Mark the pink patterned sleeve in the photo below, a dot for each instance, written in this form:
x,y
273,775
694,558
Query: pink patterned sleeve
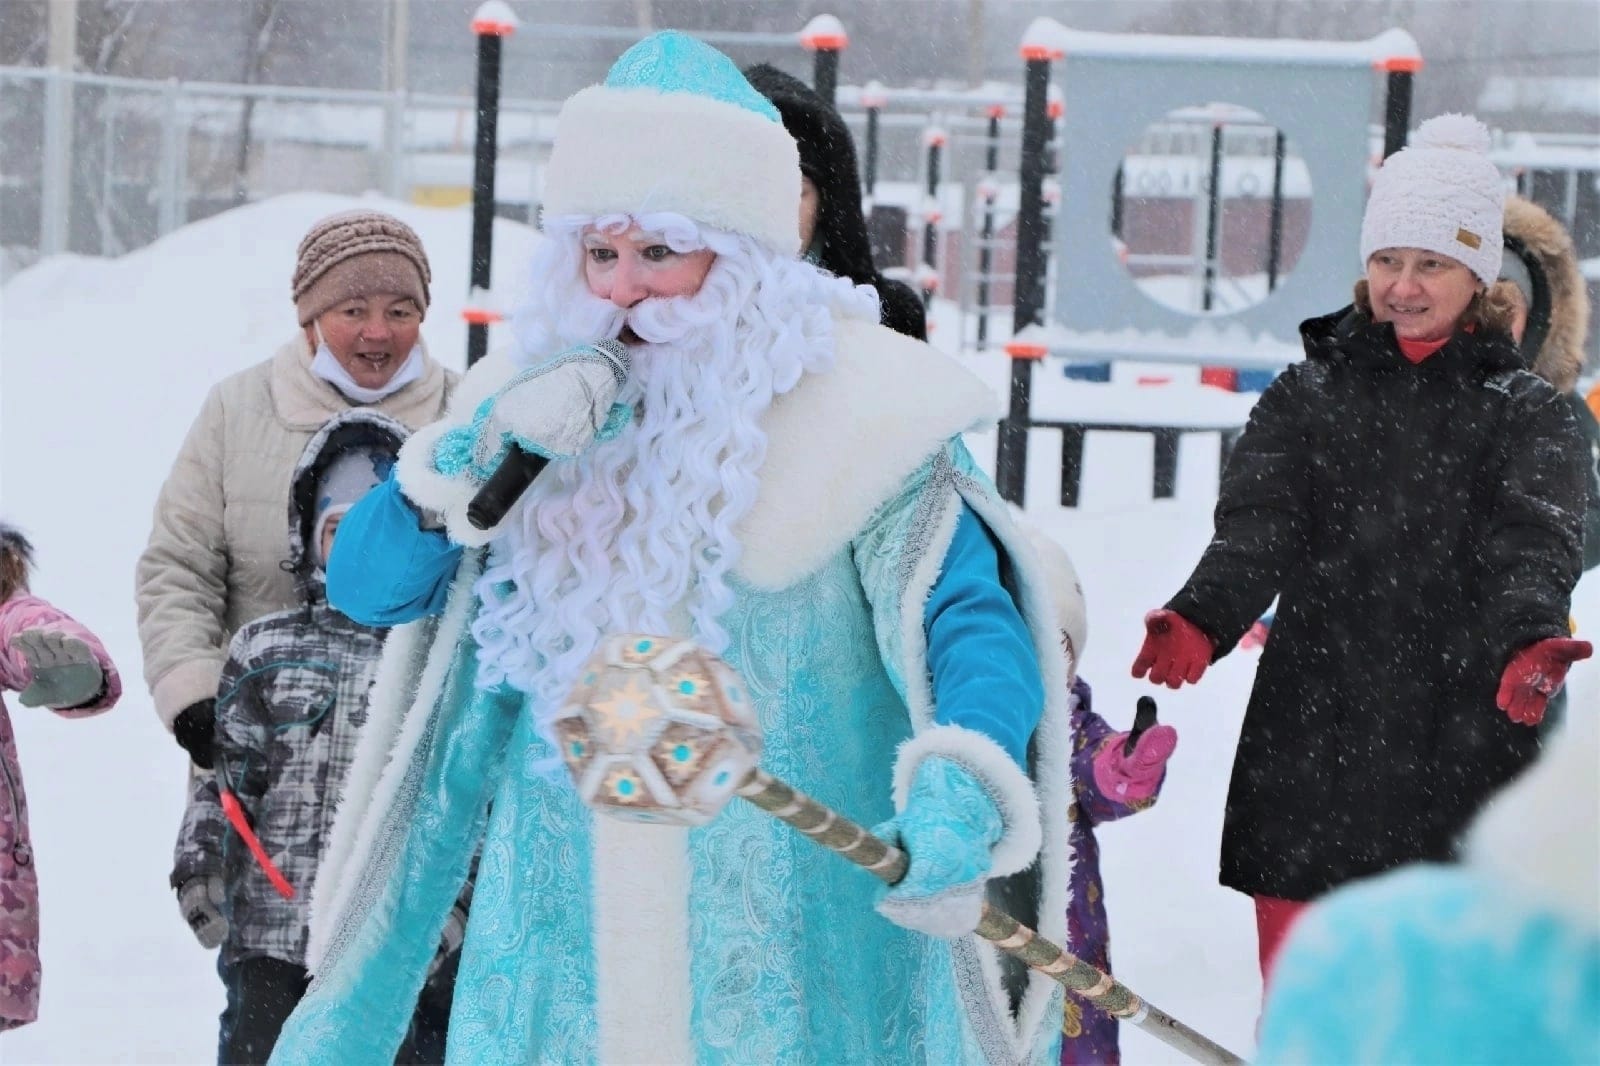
x,y
22,613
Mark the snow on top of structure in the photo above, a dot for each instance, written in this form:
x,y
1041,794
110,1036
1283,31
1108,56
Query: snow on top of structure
x,y
1548,93
824,31
496,17
1048,35
1207,343
1174,403
1526,153
876,94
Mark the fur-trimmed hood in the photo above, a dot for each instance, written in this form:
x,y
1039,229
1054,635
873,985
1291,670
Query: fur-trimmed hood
x,y
1560,315
840,244
359,427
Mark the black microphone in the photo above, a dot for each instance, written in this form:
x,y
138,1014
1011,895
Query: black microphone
x,y
519,468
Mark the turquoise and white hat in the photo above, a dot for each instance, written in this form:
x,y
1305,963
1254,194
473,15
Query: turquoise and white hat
x,y
676,127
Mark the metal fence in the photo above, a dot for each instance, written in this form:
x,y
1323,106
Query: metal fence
x,y
100,166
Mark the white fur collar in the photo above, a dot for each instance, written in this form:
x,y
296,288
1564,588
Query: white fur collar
x,y
841,443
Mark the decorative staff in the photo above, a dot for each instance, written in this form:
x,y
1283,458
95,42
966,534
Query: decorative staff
x,y
661,730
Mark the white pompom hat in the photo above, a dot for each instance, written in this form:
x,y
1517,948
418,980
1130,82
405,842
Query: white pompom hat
x,y
1441,193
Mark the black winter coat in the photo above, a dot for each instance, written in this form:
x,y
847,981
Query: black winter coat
x,y
1419,524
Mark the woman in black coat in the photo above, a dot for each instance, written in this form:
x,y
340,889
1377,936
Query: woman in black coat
x,y
837,238
1415,499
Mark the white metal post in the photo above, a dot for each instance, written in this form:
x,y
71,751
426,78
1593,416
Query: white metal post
x,y
169,181
55,193
394,108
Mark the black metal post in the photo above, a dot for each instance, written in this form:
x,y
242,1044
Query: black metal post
x,y
1275,224
825,73
1213,213
988,190
1050,192
930,221
1116,204
1011,457
1397,110
483,179
869,162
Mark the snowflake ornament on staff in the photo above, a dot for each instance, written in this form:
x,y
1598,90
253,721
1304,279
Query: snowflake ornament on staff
x,y
658,730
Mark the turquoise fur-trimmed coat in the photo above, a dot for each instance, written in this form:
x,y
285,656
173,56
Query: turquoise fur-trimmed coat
x,y
579,922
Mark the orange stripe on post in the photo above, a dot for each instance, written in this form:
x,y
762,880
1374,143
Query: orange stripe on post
x,y
1041,51
480,316
1026,350
1409,64
493,28
825,42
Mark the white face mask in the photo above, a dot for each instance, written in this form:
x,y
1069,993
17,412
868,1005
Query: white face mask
x,y
326,367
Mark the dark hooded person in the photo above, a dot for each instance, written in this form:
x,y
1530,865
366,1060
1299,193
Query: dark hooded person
x,y
833,231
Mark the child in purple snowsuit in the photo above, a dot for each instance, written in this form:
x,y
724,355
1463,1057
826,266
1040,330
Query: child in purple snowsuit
x,y
1107,783
53,662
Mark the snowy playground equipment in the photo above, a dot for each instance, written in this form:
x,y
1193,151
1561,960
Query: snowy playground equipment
x,y
1117,83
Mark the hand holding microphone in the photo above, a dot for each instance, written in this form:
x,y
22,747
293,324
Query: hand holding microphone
x,y
466,471
556,410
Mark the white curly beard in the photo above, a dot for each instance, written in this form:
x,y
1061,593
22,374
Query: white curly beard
x,y
642,527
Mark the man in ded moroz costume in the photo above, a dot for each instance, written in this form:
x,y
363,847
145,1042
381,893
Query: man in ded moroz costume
x,y
766,471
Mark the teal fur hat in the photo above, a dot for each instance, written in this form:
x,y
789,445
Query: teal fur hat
x,y
676,127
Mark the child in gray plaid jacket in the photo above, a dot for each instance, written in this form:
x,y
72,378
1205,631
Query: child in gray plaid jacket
x,y
289,708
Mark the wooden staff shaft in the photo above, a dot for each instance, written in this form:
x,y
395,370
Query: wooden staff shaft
x,y
839,834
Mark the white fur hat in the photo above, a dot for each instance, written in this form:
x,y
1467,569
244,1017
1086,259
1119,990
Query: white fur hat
x,y
675,127
1442,194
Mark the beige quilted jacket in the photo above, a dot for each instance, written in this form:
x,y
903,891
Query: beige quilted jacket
x,y
216,543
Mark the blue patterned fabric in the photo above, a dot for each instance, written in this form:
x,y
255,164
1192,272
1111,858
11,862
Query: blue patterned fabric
x,y
673,62
789,962
947,829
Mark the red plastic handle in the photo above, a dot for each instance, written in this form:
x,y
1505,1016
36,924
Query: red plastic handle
x,y
236,818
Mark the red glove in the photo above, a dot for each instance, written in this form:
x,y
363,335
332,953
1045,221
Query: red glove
x,y
1174,650
1133,778
1535,673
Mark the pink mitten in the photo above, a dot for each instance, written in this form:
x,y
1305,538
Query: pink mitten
x,y
1133,778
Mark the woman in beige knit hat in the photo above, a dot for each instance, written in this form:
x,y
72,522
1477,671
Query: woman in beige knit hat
x,y
360,291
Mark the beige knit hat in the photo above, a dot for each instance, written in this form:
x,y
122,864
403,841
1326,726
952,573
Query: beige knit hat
x,y
358,253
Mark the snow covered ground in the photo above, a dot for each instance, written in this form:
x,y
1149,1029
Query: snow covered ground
x,y
103,365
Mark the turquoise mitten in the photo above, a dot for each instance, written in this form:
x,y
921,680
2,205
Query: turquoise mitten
x,y
948,829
